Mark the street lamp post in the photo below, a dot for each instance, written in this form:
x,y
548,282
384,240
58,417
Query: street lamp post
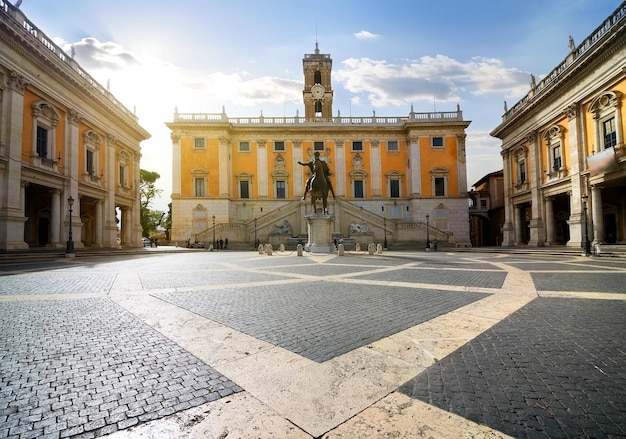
x,y
69,251
385,227
255,245
586,244
427,233
214,247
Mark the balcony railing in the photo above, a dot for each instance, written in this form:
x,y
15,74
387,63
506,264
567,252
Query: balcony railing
x,y
442,116
8,11
597,35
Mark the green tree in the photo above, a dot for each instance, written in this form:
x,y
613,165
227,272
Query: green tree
x,y
150,218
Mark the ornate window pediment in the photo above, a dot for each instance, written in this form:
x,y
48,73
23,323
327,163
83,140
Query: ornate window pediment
x,y
607,115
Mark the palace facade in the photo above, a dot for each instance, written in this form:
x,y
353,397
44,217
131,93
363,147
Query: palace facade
x,y
65,143
395,178
563,148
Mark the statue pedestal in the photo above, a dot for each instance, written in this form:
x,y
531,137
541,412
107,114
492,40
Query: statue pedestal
x,y
320,229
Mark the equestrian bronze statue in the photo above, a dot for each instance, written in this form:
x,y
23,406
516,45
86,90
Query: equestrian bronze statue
x,y
318,184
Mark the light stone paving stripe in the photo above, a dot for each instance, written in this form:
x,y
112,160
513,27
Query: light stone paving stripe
x,y
583,295
349,389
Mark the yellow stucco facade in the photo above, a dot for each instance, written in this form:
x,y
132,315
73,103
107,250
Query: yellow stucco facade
x,y
563,148
64,137
388,173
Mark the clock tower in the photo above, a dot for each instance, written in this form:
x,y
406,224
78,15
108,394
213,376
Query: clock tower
x,y
318,92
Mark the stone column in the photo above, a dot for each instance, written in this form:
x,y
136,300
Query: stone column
x,y
537,232
55,219
519,221
508,228
550,223
71,171
136,233
597,218
99,223
111,162
12,201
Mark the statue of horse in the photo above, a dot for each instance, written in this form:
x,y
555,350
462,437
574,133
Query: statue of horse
x,y
319,186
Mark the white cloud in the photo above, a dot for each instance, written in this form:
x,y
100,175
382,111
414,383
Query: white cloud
x,y
366,35
157,87
440,77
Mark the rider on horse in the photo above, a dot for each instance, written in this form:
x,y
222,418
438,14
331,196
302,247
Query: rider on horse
x,y
311,165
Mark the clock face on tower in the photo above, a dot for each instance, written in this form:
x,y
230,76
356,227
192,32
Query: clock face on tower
x,y
317,91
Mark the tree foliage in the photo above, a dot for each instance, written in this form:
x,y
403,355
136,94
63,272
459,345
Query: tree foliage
x,y
150,219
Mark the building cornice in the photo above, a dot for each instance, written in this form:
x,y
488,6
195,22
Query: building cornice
x,y
595,50
21,35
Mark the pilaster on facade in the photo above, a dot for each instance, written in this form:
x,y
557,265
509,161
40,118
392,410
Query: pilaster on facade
x,y
262,154
176,164
225,171
376,169
415,188
461,163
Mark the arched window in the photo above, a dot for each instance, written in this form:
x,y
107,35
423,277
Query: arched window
x,y
317,77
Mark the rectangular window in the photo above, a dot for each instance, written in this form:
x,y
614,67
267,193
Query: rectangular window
x,y
281,189
279,145
122,172
244,146
318,146
556,158
392,145
90,163
198,142
609,133
42,142
521,172
394,188
440,187
199,187
437,142
358,189
357,145
244,189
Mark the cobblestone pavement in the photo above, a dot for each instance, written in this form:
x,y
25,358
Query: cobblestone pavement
x,y
555,368
237,344
313,320
86,367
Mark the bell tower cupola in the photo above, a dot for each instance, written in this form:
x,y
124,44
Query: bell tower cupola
x,y
318,91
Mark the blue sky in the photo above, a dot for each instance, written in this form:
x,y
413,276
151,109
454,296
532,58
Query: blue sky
x,y
247,56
